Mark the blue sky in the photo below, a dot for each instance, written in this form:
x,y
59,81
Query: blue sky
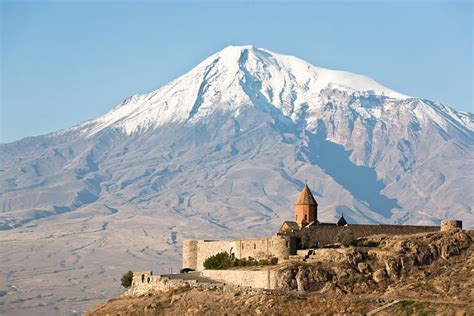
x,y
66,62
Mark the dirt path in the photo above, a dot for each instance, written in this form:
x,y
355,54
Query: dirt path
x,y
411,301
381,308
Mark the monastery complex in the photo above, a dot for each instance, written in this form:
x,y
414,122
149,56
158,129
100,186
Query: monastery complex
x,y
304,232
303,239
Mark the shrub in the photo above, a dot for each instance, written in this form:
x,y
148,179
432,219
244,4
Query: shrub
x,y
252,262
223,260
353,280
345,237
220,261
358,243
411,308
363,242
305,240
127,279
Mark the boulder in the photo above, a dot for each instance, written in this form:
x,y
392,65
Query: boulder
x,y
379,276
363,267
301,279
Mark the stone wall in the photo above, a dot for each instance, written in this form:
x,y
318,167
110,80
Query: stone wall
x,y
207,248
195,252
326,234
450,225
146,282
190,248
263,279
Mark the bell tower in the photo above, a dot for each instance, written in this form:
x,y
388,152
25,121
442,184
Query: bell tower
x,y
306,208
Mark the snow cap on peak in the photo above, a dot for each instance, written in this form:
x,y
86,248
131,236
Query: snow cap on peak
x,y
234,78
231,54
266,63
237,48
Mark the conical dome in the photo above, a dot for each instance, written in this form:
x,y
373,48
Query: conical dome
x,y
342,221
306,197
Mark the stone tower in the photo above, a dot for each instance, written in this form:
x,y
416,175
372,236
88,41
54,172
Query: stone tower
x,y
306,208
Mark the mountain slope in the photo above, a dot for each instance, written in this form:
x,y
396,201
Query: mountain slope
x,y
391,144
222,151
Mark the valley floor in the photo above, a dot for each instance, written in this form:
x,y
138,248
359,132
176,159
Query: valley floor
x,y
64,269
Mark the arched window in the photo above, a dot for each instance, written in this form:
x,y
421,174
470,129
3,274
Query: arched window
x,y
305,217
143,278
254,246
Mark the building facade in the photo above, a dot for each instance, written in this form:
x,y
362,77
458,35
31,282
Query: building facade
x,y
195,252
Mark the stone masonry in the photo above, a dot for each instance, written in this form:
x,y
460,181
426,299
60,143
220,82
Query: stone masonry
x,y
195,252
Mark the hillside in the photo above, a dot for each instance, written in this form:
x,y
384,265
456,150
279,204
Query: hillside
x,y
439,280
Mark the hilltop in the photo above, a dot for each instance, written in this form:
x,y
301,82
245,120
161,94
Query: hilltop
x,y
436,277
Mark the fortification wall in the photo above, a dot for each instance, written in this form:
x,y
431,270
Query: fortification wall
x,y
283,247
450,225
263,248
326,234
190,252
367,230
195,252
207,248
265,279
146,282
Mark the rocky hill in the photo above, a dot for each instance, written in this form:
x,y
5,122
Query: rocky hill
x,y
420,273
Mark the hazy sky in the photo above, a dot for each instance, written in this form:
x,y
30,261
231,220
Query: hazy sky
x,y
64,62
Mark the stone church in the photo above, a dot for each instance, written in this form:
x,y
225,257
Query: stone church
x,y
288,239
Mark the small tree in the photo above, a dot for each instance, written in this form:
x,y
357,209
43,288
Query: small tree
x,y
220,261
273,260
304,240
127,279
345,237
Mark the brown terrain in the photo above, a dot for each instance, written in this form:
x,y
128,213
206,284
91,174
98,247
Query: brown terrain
x,y
422,274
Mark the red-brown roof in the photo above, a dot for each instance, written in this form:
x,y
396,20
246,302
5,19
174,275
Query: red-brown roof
x,y
306,197
291,226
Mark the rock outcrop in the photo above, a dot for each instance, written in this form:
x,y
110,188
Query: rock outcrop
x,y
358,269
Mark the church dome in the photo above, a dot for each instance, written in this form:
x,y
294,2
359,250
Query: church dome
x,y
306,197
342,221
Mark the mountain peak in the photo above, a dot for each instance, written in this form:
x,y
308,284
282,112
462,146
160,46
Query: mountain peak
x,y
237,48
236,77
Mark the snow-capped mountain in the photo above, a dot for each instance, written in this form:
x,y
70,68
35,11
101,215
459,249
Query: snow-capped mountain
x,y
222,151
405,148
230,81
